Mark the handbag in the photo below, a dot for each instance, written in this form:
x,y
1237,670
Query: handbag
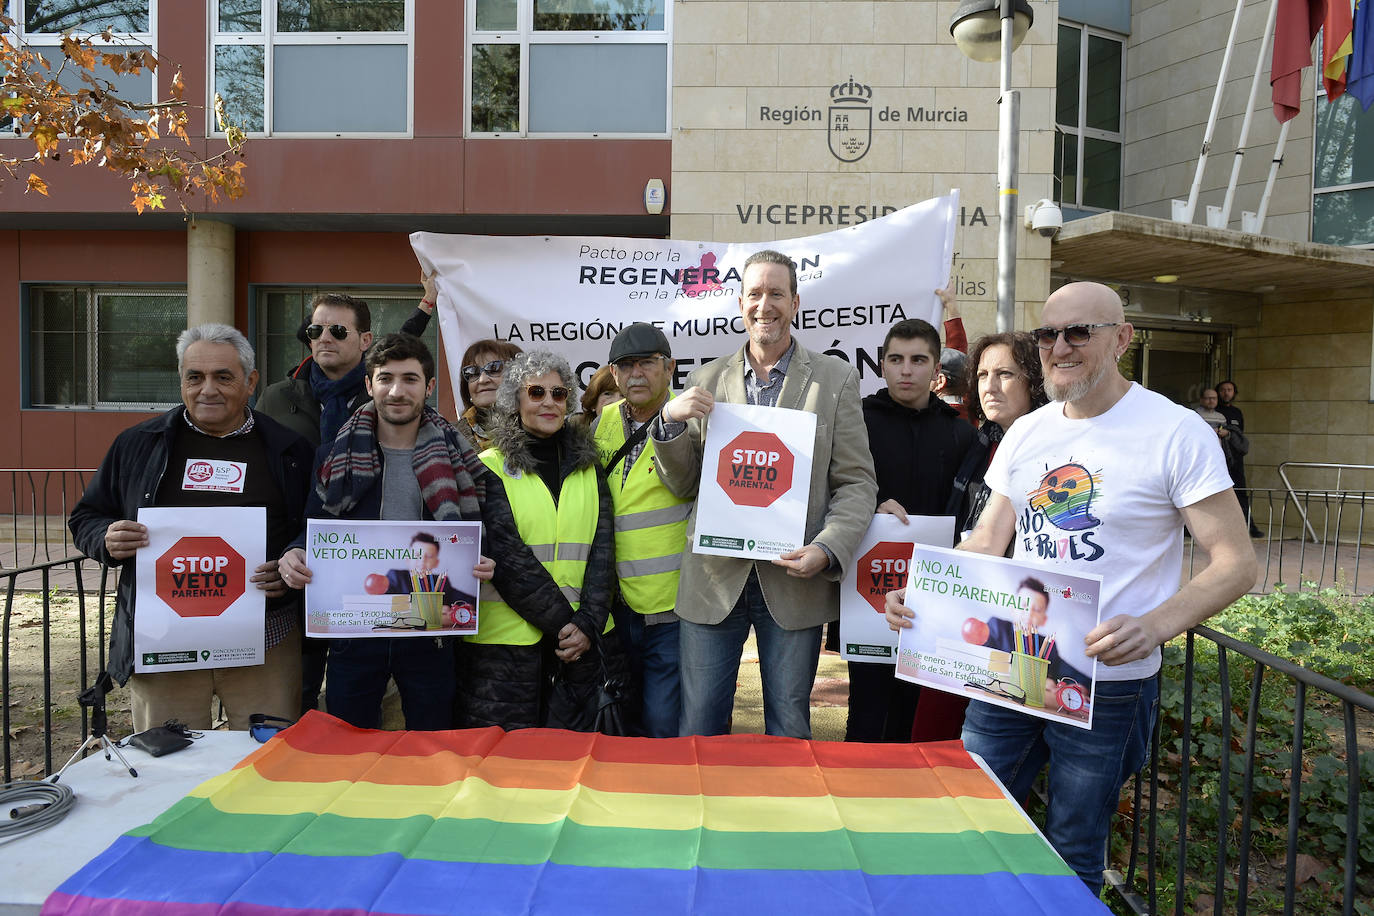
x,y
163,739
594,705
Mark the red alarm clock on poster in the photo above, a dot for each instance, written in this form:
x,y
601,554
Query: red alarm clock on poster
x,y
1071,697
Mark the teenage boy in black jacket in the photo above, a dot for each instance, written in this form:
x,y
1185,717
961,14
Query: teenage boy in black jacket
x,y
918,443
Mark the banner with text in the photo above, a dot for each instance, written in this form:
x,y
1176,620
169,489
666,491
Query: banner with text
x,y
196,607
388,578
1005,632
755,481
880,567
573,294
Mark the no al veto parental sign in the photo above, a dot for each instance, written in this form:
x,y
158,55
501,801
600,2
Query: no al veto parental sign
x,y
755,481
195,607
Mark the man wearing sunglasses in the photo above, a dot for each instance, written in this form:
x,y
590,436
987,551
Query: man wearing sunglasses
x,y
396,458
1103,480
788,600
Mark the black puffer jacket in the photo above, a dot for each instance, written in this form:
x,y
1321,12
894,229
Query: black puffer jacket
x,y
508,685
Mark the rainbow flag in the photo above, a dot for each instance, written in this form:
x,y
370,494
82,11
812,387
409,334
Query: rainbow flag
x,y
329,820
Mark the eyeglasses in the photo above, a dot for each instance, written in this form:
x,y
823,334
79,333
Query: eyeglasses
x,y
262,726
1076,335
537,392
337,331
402,623
642,363
998,688
493,369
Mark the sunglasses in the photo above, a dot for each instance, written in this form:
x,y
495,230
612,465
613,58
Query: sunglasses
x,y
1075,335
263,726
537,392
316,331
493,369
402,623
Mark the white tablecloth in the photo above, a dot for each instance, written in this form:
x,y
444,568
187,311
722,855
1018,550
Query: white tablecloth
x,y
108,802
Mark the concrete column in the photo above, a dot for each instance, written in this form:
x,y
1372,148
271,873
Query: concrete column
x,y
209,272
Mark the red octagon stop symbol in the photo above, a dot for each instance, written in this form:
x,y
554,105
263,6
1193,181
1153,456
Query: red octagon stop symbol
x,y
200,577
881,570
755,469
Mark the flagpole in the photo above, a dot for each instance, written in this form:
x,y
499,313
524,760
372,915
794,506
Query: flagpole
x,y
1183,210
1254,222
1220,219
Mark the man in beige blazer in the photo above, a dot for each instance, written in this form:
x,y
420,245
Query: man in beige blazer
x,y
787,600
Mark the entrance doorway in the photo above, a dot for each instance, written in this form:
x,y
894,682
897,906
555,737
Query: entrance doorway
x,y
1177,364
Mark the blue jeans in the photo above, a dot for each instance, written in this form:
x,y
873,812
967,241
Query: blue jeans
x,y
1087,767
654,662
423,666
710,668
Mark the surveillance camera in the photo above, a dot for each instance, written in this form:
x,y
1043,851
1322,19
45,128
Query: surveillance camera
x,y
1044,217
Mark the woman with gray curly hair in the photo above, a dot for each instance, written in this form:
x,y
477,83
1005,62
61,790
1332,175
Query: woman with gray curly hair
x,y
563,511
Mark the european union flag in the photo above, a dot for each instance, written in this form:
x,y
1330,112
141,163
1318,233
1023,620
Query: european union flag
x,y
1359,79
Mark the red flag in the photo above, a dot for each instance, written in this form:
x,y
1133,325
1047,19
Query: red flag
x,y
1296,27
1336,47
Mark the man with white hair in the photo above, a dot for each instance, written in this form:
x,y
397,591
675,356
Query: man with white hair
x,y
1102,480
151,465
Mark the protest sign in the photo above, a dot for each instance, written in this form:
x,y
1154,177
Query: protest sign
x,y
388,578
880,565
1005,632
195,605
573,294
755,481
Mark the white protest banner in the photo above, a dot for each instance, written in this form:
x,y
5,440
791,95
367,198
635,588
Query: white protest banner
x,y
1005,632
386,578
755,481
195,607
880,566
573,294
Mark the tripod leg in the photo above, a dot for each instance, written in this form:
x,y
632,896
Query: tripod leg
x,y
111,746
72,759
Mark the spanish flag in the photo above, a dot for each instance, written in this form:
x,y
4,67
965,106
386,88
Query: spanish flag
x,y
329,820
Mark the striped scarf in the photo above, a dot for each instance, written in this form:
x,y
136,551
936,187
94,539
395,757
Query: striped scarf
x,y
442,463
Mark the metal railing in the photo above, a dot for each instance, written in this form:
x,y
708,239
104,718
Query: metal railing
x,y
1146,812
70,658
1340,470
40,500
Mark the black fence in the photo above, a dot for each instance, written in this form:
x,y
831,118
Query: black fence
x,y
1224,733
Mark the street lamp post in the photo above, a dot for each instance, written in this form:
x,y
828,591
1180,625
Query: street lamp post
x,y
986,31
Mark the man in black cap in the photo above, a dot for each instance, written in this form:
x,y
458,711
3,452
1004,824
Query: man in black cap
x,y
650,524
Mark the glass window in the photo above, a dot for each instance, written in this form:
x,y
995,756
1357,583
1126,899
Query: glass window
x,y
314,67
1345,143
1091,65
57,16
112,348
1343,217
568,67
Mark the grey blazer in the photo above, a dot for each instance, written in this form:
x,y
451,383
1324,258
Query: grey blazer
x,y
843,492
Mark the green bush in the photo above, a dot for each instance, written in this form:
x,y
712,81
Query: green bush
x,y
1325,632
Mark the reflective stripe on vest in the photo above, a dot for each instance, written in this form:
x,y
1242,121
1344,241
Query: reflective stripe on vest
x,y
650,522
560,538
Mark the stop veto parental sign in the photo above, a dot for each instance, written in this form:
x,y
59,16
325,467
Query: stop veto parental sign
x,y
755,468
200,576
881,570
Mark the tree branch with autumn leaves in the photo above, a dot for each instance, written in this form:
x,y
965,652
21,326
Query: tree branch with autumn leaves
x,y
65,108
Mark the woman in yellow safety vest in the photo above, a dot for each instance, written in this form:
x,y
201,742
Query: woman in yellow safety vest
x,y
563,512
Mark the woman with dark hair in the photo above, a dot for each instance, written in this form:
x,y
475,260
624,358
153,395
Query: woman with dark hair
x,y
483,363
563,511
1004,384
601,390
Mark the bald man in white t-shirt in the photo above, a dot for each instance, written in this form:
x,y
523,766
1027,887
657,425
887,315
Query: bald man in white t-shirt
x,y
1102,480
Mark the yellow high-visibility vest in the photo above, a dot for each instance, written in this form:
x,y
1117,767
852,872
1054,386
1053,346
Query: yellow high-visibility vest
x,y
560,537
650,522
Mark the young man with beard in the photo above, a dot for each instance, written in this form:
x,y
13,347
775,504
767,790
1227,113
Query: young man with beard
x,y
1112,472
399,459
918,443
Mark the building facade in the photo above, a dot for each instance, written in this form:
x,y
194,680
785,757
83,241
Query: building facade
x,y
763,119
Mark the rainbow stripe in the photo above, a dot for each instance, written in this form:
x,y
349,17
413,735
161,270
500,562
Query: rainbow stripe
x,y
329,820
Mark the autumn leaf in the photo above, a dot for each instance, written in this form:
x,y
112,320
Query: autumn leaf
x,y
37,184
44,137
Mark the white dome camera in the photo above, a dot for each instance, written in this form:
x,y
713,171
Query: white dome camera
x,y
1045,218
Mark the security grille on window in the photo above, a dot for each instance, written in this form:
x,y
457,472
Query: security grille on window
x,y
1088,104
568,67
132,24
103,348
314,67
280,313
